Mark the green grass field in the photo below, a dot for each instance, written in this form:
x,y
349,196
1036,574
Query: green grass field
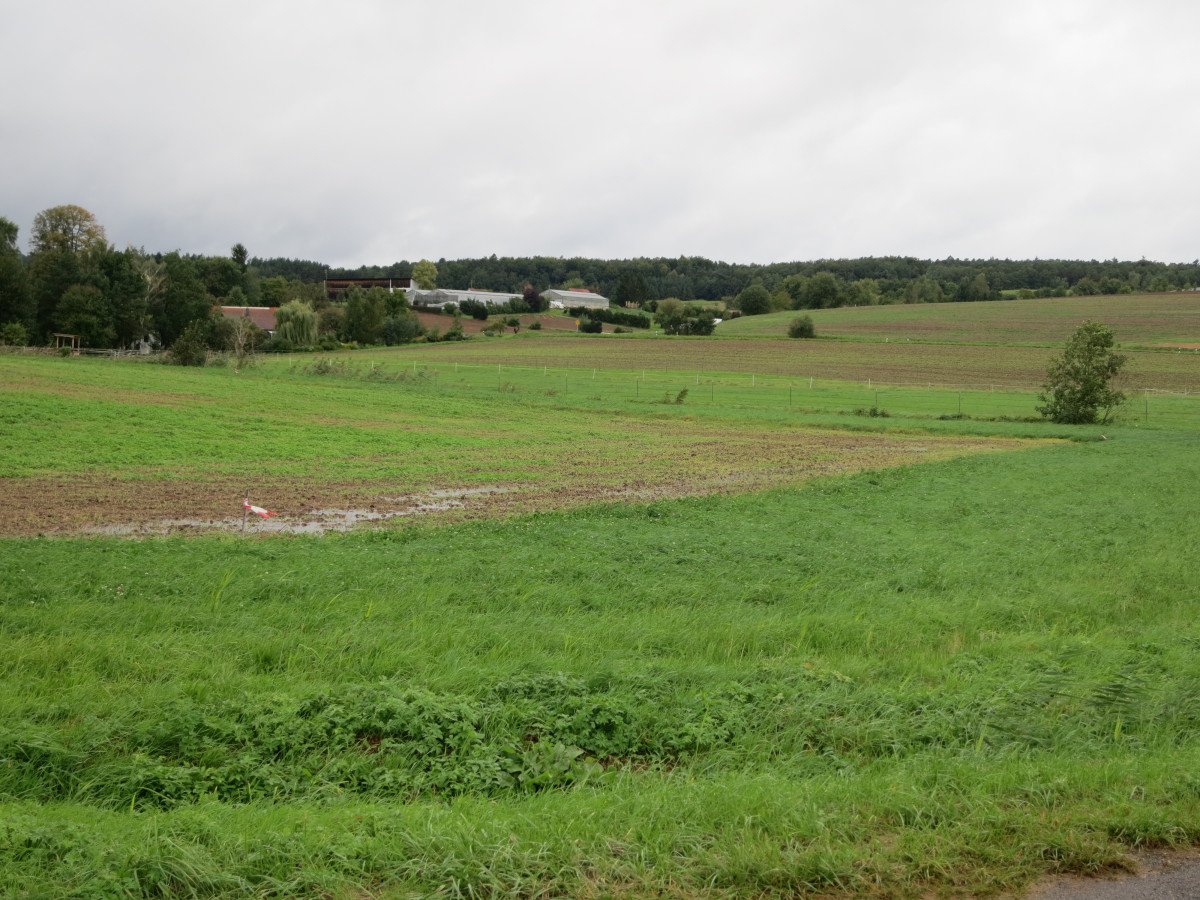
x,y
962,657
1136,319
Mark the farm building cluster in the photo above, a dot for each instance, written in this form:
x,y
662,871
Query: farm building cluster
x,y
435,298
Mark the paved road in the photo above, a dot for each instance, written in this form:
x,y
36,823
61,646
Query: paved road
x,y
1160,876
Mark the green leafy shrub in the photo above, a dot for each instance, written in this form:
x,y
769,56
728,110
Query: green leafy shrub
x,y
278,344
476,309
802,327
455,331
191,347
611,316
13,334
402,329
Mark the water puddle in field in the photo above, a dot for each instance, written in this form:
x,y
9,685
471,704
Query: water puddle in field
x,y
316,522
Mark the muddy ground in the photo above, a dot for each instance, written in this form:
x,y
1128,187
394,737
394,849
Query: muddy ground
x,y
152,503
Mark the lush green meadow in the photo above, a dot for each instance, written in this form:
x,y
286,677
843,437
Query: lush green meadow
x,y
964,657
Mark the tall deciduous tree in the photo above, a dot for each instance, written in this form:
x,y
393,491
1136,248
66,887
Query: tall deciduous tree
x,y
51,272
754,300
924,290
670,314
1079,383
365,312
297,323
118,274
71,228
822,291
220,275
181,299
84,310
864,292
425,274
979,289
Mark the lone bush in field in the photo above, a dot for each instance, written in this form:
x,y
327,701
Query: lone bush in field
x,y
1078,388
802,327
191,347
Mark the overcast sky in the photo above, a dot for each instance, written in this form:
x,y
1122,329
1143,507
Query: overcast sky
x,y
368,131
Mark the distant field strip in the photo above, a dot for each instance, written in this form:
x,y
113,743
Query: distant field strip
x,y
947,365
722,394
708,392
1144,319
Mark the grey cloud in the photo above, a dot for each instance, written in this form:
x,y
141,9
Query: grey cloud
x,y
372,131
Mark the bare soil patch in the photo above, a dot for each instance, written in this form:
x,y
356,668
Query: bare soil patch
x,y
702,462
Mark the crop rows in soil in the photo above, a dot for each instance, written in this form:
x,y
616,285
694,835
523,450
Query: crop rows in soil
x,y
904,362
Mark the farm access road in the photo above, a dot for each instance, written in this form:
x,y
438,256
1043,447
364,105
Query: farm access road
x,y
1157,875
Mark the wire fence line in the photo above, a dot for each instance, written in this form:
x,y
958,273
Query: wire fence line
x,y
766,380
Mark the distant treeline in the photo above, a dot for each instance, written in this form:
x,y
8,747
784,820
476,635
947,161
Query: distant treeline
x,y
896,279
73,281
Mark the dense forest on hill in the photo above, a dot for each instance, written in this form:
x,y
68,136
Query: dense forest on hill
x,y
897,278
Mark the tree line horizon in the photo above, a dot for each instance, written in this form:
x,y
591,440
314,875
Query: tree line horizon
x,y
898,278
72,280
